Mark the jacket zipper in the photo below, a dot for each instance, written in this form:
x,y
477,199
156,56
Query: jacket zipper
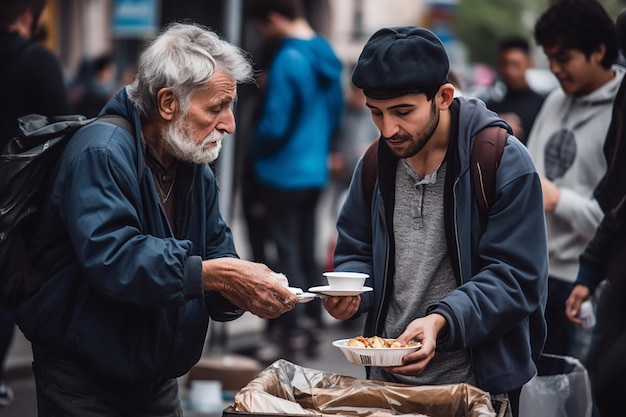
x,y
458,254
384,291
456,230
377,324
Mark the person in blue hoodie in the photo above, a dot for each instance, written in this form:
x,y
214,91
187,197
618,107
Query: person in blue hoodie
x,y
301,112
135,254
471,289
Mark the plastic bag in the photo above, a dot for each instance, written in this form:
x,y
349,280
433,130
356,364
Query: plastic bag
x,y
560,389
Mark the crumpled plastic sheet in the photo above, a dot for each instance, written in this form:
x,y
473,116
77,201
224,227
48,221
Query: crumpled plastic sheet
x,y
289,389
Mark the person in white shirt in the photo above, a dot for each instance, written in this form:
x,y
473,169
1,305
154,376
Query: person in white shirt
x,y
566,144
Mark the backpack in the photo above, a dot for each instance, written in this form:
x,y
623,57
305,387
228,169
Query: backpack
x,y
26,164
484,162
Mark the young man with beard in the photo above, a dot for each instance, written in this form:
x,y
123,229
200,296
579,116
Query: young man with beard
x,y
136,254
441,272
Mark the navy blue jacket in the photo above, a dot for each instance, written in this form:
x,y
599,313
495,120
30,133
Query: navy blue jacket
x,y
122,295
501,266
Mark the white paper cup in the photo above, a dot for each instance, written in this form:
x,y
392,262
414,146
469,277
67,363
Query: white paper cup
x,y
345,280
205,396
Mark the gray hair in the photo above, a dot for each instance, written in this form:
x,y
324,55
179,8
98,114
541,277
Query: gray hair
x,y
183,58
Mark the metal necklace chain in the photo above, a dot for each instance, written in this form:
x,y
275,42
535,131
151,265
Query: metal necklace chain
x,y
162,194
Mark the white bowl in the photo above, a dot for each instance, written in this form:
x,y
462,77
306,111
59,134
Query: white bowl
x,y
367,356
345,280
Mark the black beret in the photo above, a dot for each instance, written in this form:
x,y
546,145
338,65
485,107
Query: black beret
x,y
401,60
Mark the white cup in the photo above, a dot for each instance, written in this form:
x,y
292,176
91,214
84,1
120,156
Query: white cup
x,y
206,396
345,280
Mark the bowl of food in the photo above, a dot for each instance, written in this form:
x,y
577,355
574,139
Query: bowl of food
x,y
345,280
375,351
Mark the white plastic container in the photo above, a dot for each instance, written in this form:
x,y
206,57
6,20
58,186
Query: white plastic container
x,y
367,356
587,315
206,396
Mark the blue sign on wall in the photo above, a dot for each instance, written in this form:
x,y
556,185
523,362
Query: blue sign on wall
x,y
135,18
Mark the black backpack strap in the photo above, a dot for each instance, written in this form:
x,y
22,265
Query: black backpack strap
x,y
484,161
117,120
125,124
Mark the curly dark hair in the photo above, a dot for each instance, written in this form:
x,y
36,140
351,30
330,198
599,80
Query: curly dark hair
x,y
578,24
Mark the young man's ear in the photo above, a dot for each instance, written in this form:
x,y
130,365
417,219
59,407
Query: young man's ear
x,y
444,96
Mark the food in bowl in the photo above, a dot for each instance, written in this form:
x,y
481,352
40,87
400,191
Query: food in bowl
x,y
381,351
377,342
345,280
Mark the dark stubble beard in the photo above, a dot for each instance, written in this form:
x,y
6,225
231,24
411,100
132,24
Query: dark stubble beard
x,y
421,138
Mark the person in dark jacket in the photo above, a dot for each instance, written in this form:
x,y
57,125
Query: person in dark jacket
x,y
519,104
603,262
471,289
33,83
32,75
94,85
136,254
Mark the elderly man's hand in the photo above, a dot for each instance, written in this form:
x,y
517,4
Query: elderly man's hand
x,y
249,285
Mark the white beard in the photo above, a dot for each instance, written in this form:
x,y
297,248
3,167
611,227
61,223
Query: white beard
x,y
180,143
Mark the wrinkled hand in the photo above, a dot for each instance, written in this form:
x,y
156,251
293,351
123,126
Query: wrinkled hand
x,y
551,194
342,308
424,329
579,294
250,286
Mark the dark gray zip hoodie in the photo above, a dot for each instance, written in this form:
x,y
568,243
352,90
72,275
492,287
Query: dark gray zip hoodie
x,y
500,263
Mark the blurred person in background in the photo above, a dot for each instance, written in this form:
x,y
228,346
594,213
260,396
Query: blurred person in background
x,y
94,85
32,74
33,83
253,202
441,272
301,112
603,266
356,133
566,144
519,104
138,266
